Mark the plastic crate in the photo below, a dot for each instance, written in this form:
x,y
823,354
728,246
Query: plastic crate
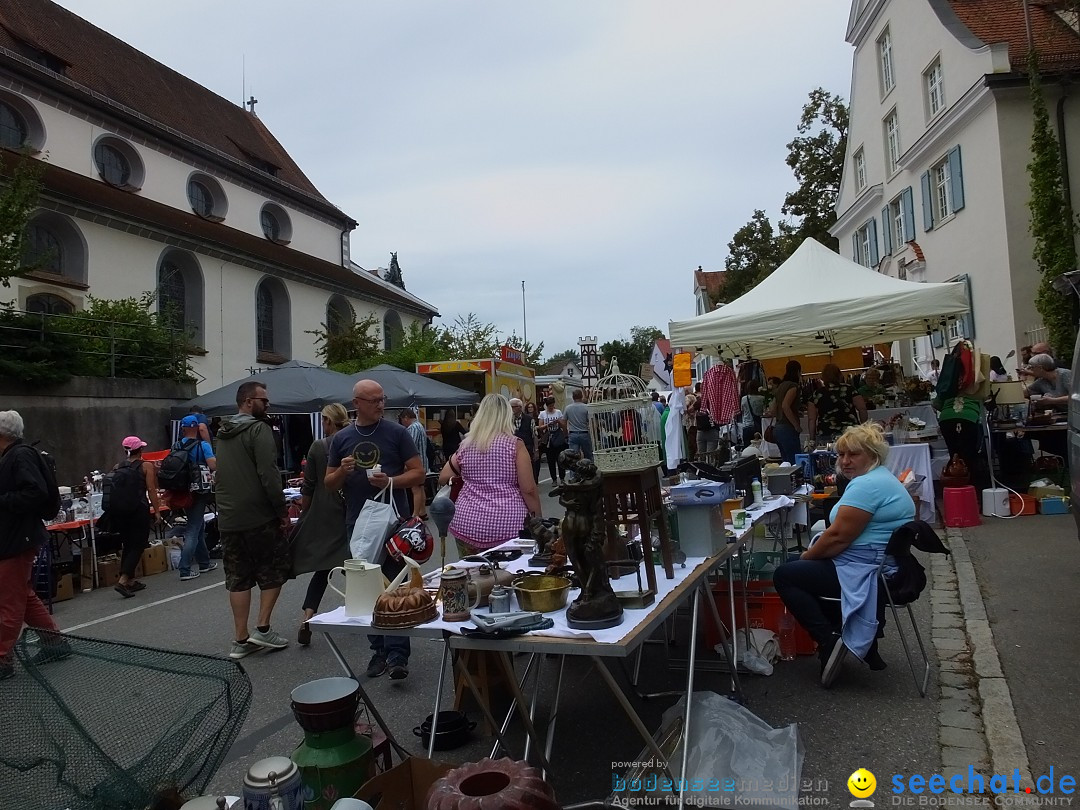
x,y
1053,506
764,607
1022,505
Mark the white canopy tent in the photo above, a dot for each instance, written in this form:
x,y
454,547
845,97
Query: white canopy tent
x,y
816,301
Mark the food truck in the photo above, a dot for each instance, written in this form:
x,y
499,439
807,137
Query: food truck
x,y
504,374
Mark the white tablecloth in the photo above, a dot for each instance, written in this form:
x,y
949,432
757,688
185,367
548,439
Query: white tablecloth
x,y
917,458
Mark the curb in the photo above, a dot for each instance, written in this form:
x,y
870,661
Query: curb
x,y
977,720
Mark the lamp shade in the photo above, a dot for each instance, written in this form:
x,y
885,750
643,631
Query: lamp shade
x,y
1008,393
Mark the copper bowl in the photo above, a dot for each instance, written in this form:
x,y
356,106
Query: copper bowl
x,y
543,593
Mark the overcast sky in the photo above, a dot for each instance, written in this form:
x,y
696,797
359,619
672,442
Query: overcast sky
x,y
599,150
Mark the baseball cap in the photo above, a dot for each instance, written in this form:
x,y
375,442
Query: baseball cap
x,y
189,421
133,443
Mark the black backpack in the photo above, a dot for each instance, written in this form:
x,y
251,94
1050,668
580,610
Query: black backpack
x,y
47,466
176,470
123,489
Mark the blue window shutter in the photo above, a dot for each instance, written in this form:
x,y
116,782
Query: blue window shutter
x,y
907,208
874,257
855,247
927,203
956,178
886,230
937,339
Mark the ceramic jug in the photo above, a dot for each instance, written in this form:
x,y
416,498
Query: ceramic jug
x,y
454,592
363,584
273,784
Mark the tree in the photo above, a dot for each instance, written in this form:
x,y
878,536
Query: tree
x,y
350,349
420,344
753,253
563,356
471,339
18,199
633,353
816,156
1052,225
393,275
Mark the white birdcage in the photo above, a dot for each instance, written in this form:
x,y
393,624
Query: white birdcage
x,y
624,423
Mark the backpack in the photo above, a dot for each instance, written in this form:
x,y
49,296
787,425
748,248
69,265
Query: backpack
x,y
47,466
175,472
124,488
956,372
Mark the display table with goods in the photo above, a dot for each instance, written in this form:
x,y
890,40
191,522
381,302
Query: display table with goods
x,y
914,422
916,458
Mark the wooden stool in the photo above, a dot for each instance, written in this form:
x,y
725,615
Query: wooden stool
x,y
486,673
634,498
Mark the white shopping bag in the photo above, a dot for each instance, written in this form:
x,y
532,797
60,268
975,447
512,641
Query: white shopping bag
x,y
376,522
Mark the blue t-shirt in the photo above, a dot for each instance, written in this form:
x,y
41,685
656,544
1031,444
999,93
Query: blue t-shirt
x,y
884,497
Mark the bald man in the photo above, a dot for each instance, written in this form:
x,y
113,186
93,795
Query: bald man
x,y
363,458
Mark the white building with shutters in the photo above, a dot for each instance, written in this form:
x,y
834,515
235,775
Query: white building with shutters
x,y
935,183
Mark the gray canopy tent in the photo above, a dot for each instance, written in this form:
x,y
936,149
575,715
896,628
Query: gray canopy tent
x,y
404,389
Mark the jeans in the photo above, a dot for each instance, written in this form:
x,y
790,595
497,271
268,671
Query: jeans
x,y
581,441
18,603
395,649
787,439
800,583
195,535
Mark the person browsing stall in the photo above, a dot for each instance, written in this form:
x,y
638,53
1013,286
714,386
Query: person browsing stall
x,y
129,514
577,425
843,561
785,409
1051,383
200,453
498,489
364,459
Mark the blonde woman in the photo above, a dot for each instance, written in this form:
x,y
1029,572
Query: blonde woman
x,y
843,562
320,542
498,489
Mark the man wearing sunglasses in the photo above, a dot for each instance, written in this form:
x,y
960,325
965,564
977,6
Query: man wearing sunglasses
x,y
252,518
363,460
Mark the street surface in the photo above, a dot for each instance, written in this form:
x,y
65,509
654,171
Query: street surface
x,y
871,720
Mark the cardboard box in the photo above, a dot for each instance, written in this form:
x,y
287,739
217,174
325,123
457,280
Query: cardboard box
x,y
1051,491
155,560
108,572
701,530
403,787
65,588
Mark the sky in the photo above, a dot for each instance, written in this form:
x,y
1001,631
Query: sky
x,y
597,150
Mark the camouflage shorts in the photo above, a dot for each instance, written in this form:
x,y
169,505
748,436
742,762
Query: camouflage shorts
x,y
258,556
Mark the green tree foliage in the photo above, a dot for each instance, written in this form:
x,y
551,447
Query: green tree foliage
x,y
419,344
632,353
753,253
19,189
1052,225
393,275
470,339
563,356
351,349
816,156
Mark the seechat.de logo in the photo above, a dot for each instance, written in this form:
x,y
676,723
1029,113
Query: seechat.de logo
x,y
862,784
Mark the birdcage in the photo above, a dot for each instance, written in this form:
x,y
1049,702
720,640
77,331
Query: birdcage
x,y
623,423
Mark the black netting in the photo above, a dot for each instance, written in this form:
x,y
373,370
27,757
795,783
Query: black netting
x,y
108,725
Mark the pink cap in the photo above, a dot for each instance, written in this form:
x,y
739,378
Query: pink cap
x,y
133,443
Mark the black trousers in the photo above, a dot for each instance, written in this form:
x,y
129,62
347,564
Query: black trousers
x,y
554,463
800,583
965,439
316,589
134,531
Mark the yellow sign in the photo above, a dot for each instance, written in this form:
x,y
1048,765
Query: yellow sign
x,y
680,370
443,368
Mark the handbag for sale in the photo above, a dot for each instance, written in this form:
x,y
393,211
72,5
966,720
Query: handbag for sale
x,y
376,522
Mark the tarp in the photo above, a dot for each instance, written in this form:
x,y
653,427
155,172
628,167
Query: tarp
x,y
405,388
818,300
293,387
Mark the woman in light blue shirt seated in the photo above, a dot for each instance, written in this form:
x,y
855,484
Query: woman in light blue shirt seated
x,y
843,562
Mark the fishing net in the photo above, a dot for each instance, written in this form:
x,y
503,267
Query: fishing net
x,y
107,726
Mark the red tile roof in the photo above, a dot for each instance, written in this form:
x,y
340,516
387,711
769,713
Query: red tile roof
x,y
712,281
86,192
995,21
101,65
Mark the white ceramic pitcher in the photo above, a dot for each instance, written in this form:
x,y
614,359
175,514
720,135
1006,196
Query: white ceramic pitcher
x,y
363,584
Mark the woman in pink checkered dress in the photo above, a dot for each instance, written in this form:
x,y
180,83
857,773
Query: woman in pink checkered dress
x,y
498,488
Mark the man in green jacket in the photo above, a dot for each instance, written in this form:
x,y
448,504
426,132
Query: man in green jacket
x,y
252,518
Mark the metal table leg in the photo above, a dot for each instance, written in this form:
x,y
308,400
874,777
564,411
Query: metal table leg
x,y
532,704
438,698
689,694
513,707
554,714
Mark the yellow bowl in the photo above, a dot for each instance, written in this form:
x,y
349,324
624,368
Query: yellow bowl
x,y
542,593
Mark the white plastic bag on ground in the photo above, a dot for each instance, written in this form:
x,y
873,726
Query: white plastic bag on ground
x,y
763,653
736,758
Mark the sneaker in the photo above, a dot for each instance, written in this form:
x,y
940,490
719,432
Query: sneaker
x,y
833,662
124,590
57,651
376,667
192,574
211,567
398,672
303,635
270,639
242,649
136,586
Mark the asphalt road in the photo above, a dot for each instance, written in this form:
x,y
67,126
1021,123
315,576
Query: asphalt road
x,y
873,720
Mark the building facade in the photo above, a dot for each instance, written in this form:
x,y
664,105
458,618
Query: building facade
x,y
152,183
935,184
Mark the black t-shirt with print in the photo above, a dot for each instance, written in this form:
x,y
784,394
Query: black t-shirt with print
x,y
388,444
